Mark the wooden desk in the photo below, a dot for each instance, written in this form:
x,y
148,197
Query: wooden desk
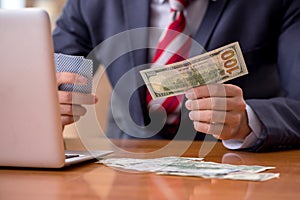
x,y
94,181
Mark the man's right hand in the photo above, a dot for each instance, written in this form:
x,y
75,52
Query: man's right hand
x,y
71,108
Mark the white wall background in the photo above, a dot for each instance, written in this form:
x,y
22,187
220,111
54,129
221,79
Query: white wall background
x,y
12,4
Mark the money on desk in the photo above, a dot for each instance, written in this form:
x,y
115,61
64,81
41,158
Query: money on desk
x,y
185,166
217,66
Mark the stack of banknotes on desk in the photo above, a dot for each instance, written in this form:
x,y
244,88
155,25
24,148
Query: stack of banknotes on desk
x,y
185,166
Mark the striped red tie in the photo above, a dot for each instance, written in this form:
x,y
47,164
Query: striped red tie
x,y
172,47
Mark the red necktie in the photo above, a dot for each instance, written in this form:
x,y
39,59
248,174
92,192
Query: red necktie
x,y
172,47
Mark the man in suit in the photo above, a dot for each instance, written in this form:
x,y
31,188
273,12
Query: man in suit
x,y
262,109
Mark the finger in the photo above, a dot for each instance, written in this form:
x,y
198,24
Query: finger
x,y
219,131
70,78
76,98
214,90
209,116
66,120
216,103
231,119
76,118
72,110
212,129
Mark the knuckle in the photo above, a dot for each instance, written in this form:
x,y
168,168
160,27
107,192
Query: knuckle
x,y
239,91
234,87
210,116
241,105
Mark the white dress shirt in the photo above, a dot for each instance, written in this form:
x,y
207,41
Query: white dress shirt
x,y
161,17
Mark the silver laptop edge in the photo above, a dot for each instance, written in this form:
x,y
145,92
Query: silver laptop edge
x,y
31,131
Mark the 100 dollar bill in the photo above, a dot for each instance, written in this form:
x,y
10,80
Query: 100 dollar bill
x,y
216,66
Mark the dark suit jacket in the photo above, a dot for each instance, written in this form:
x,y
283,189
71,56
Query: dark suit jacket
x,y
268,32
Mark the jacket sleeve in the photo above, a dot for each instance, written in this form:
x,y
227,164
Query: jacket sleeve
x,y
71,35
280,116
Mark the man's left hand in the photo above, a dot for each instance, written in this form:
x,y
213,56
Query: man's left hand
x,y
219,110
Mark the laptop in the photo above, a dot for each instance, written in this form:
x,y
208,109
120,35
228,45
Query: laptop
x,y
30,125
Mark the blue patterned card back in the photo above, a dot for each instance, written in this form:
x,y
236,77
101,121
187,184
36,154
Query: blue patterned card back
x,y
78,65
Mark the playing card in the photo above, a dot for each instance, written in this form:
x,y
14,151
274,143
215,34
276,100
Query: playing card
x,y
78,65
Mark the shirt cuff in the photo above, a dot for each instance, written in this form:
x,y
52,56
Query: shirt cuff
x,y
256,126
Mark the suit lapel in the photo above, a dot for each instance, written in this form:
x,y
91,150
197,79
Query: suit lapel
x,y
212,16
